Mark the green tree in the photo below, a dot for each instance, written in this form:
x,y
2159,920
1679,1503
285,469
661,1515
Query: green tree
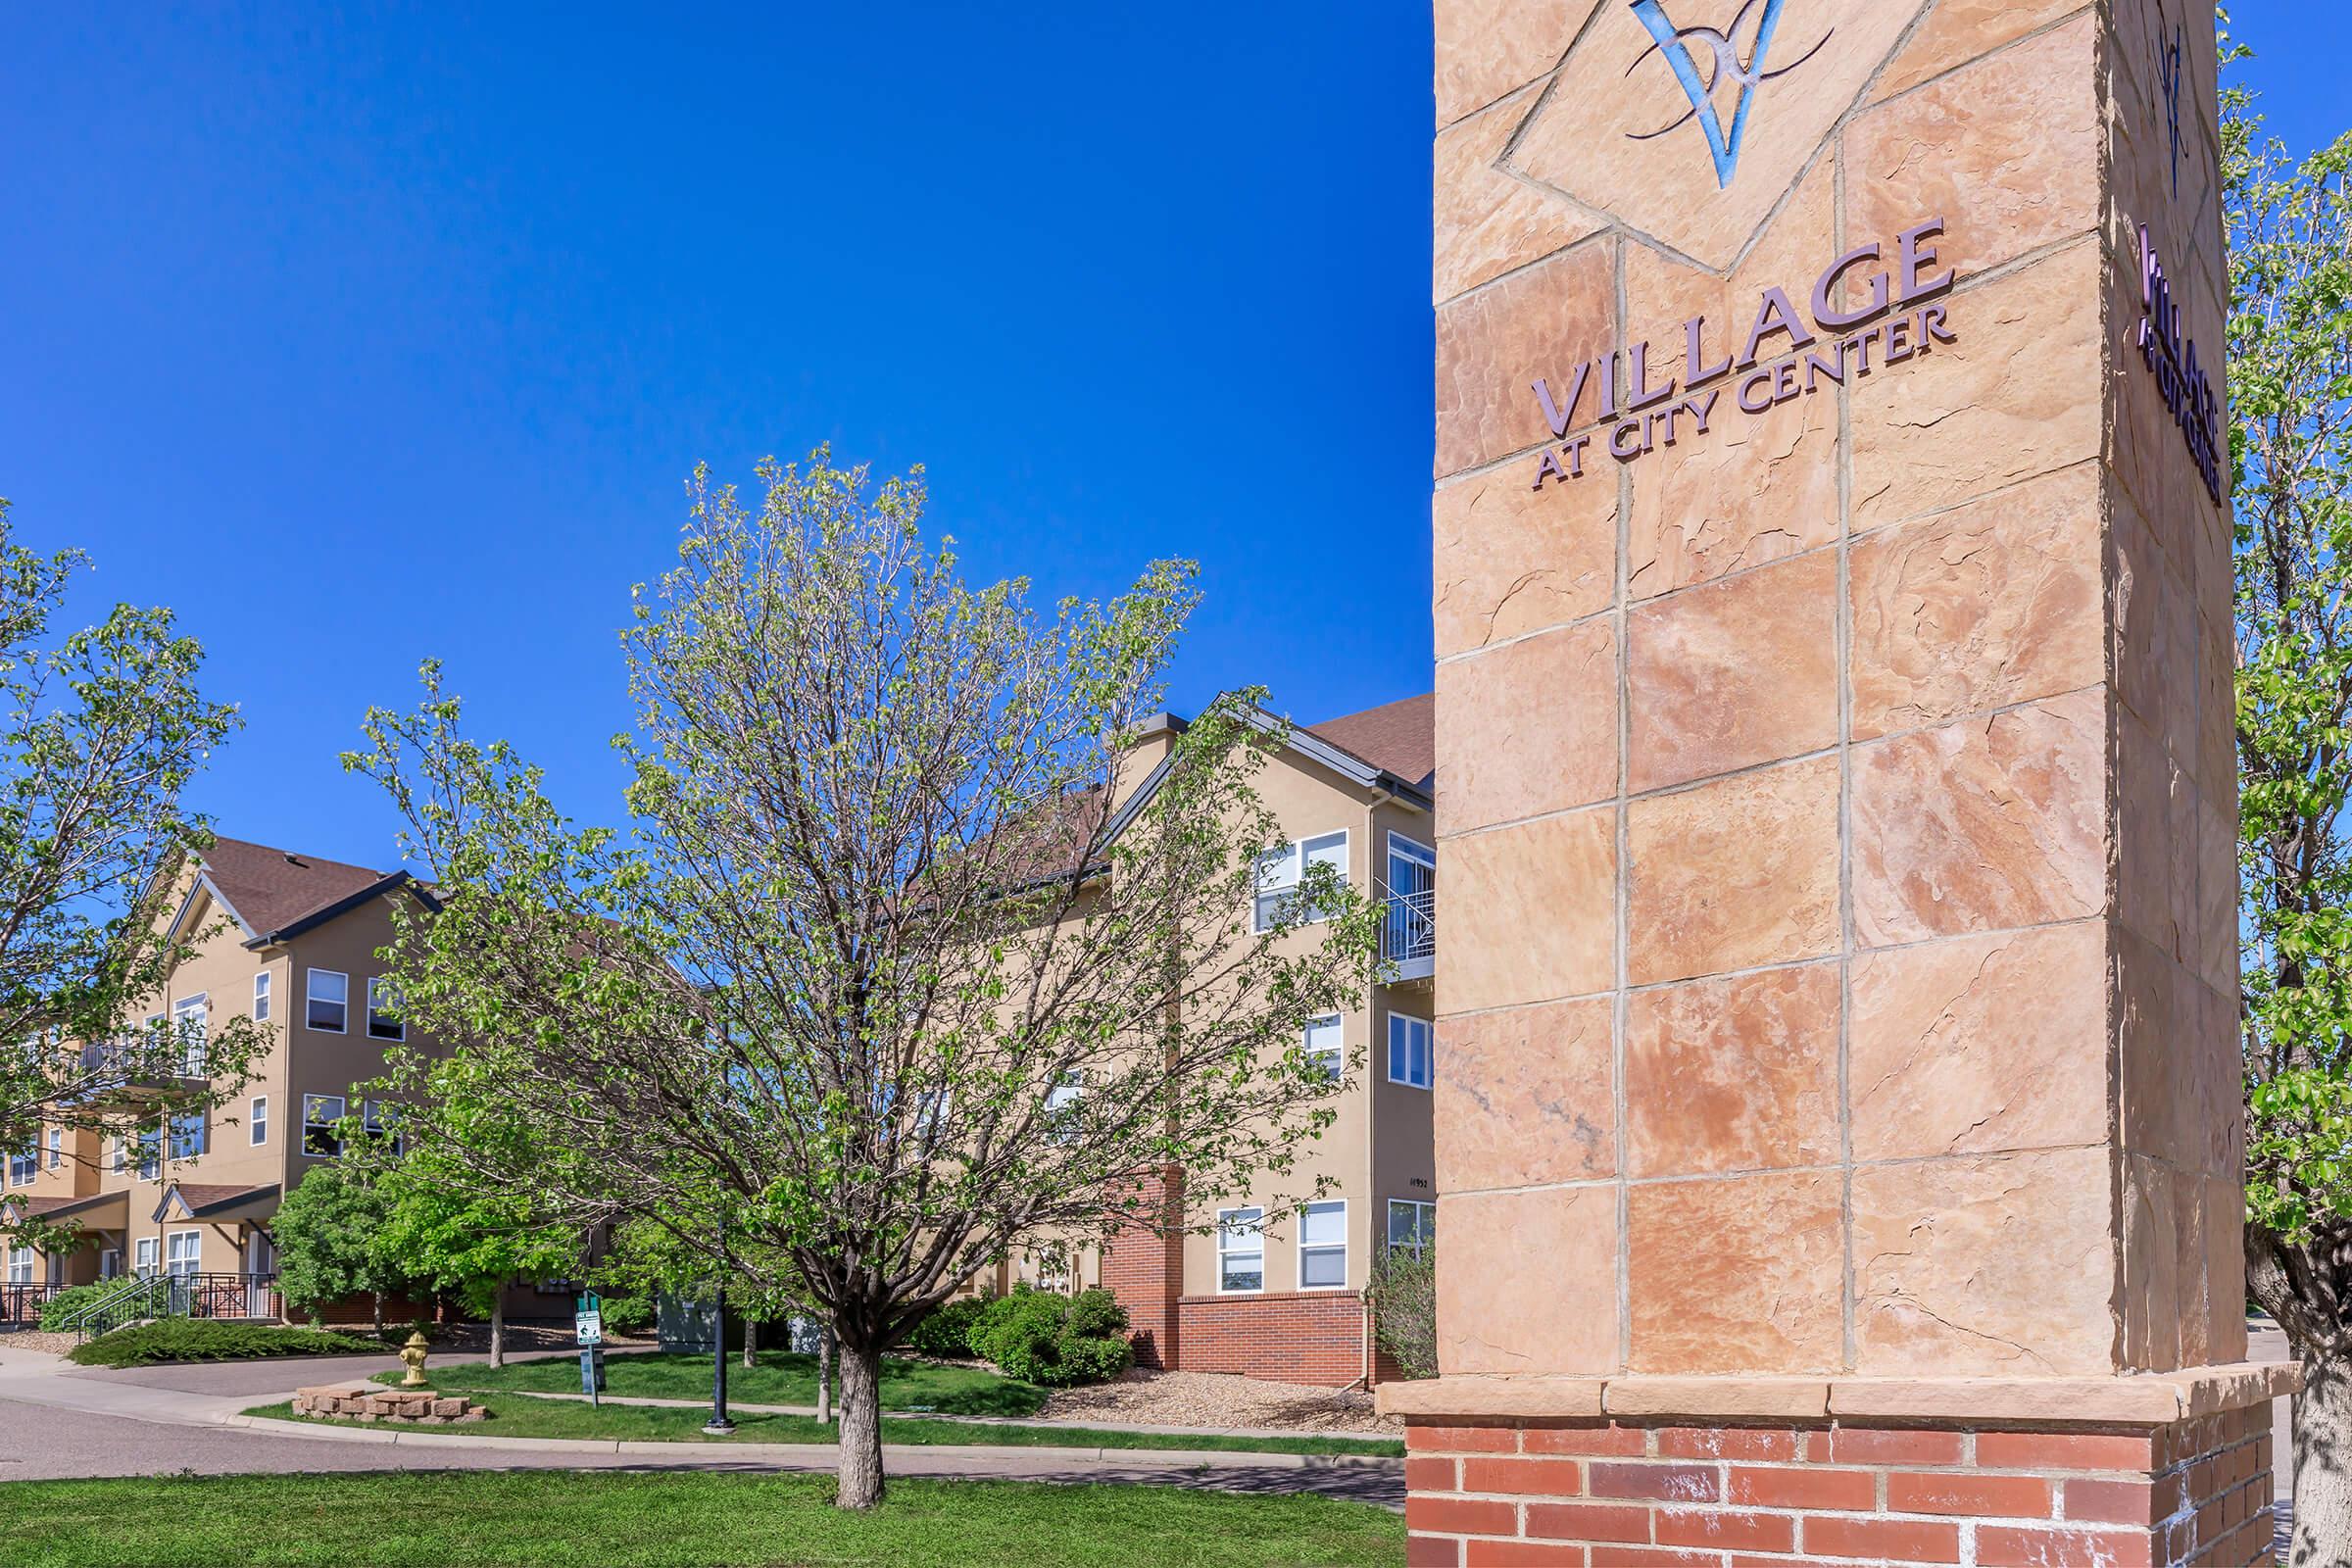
x,y
101,731
887,971
325,1230
2290,394
460,1241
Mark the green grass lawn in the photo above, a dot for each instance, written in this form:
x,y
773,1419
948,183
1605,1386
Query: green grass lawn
x,y
555,1519
781,1378
523,1417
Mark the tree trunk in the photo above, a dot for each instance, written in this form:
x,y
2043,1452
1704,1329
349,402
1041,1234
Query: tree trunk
x,y
751,1342
498,1328
860,1428
379,1312
824,1376
2322,1460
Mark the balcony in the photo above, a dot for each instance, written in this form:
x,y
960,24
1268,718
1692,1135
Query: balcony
x,y
1408,937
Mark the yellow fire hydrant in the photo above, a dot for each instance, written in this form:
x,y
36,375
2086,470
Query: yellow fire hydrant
x,y
413,1354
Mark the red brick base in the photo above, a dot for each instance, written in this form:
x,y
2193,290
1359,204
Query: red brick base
x,y
1607,1494
1312,1336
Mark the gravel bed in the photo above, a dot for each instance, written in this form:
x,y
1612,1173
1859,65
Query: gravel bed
x,y
1219,1400
35,1340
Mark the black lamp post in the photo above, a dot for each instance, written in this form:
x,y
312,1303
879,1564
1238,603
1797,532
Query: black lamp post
x,y
719,1426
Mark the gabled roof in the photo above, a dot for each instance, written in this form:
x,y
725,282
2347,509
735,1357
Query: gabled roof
x,y
1400,737
202,1200
274,895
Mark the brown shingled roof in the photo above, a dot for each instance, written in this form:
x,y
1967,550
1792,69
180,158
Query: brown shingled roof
x,y
1401,736
271,889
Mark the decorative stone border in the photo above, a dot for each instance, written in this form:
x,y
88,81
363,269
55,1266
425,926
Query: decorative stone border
x,y
365,1401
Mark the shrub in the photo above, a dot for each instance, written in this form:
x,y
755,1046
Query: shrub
x,y
627,1314
180,1339
947,1331
1058,1340
71,1300
1403,1300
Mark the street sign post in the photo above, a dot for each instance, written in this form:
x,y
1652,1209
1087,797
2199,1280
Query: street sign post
x,y
588,1327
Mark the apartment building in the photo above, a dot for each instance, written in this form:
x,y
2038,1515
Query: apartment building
x,y
1273,1295
290,940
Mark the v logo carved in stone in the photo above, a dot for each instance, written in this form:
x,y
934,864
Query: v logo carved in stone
x,y
1674,44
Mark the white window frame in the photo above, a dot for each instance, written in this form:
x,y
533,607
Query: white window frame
x,y
21,1265
192,1255
1251,1231
57,1147
172,1135
122,1155
342,1109
256,1122
1282,870
147,1256
187,1011
310,1000
1325,1207
1429,1050
261,995
1338,1066
1424,1213
27,1162
397,1028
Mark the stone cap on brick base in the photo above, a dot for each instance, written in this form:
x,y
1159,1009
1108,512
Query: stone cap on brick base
x,y
2155,1398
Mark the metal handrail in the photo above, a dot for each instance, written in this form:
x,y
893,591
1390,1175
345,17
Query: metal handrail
x,y
21,1302
237,1297
1411,928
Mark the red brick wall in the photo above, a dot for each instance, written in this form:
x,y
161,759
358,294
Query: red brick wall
x,y
1311,1337
1142,1266
1610,1496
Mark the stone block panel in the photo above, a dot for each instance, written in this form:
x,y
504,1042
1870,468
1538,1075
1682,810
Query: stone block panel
x,y
1530,913
1734,874
1491,345
1527,1096
1526,1281
1531,727
1513,560
1734,674
1742,1274
1486,222
1733,1075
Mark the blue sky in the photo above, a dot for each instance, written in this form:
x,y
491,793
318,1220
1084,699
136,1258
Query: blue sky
x,y
395,335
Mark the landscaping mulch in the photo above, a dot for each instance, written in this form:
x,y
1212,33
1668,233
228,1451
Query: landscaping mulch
x,y
1219,1400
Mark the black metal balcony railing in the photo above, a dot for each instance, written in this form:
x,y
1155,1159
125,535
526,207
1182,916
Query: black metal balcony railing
x,y
1410,932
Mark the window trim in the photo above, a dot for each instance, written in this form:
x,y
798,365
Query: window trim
x,y
1423,1227
1429,1057
310,981
57,1148
1414,848
263,995
1259,1232
195,1260
342,1110
1296,849
256,1122
399,1024
1340,1203
151,1248
1306,1034
198,1006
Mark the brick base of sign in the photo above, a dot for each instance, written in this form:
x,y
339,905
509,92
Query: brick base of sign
x,y
368,1402
1621,1495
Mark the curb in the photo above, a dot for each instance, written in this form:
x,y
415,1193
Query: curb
x,y
806,1454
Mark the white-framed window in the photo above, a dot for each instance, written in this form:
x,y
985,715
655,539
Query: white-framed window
x,y
1412,1226
328,996
1326,1047
191,1135
122,1159
256,1123
151,1153
261,995
1410,1050
321,1139
1280,873
1323,1245
1061,1106
382,1118
57,1147
383,1009
23,1165
19,1265
1241,1250
110,1263
146,1256
187,1028
181,1251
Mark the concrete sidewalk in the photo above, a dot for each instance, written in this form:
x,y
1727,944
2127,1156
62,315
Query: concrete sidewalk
x,y
109,1426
